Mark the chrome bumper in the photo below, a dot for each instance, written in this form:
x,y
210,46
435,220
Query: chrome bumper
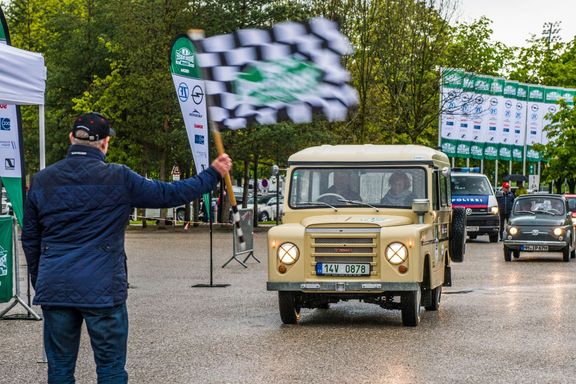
x,y
356,286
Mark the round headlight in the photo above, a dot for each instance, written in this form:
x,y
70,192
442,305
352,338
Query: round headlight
x,y
558,231
396,253
494,210
288,253
513,230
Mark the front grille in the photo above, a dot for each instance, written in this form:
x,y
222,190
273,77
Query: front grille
x,y
535,234
343,245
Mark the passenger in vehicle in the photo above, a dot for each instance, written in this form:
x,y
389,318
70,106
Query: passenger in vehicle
x,y
399,193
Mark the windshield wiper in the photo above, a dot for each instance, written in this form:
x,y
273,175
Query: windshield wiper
x,y
318,203
358,203
546,212
530,212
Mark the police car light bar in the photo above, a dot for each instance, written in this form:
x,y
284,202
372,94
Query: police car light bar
x,y
466,169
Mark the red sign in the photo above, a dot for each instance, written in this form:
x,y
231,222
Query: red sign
x,y
199,126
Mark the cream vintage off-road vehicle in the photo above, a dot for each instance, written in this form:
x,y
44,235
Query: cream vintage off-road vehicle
x,y
365,222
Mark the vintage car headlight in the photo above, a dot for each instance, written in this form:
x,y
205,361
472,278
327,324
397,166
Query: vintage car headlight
x,y
558,231
288,253
396,253
513,230
494,210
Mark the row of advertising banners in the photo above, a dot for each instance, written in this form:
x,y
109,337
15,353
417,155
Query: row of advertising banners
x,y
485,117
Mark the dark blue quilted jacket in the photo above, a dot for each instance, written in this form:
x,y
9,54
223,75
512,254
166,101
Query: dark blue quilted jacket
x,y
74,221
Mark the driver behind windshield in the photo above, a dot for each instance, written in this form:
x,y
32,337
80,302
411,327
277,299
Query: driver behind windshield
x,y
343,186
399,193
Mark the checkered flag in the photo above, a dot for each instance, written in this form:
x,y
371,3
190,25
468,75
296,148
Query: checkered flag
x,y
289,72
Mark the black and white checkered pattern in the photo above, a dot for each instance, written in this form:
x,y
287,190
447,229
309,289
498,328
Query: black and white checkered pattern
x,y
317,42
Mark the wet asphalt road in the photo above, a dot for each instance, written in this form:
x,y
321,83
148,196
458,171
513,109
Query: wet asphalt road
x,y
499,323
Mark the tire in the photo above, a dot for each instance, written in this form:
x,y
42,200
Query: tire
x,y
493,237
324,306
573,254
289,307
458,235
436,297
264,216
516,254
507,254
566,253
411,308
472,237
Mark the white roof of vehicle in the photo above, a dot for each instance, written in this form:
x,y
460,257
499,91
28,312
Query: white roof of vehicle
x,y
368,153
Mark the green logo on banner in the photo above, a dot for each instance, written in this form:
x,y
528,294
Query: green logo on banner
x,y
477,151
504,153
532,154
491,151
284,80
517,153
183,59
448,148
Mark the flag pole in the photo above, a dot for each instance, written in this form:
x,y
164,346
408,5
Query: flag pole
x,y
236,216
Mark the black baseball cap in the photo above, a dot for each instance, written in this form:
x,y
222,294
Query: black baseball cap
x,y
93,123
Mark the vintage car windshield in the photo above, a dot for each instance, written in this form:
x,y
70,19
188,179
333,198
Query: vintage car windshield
x,y
470,185
356,186
539,205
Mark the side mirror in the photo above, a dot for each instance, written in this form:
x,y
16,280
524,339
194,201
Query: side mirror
x,y
421,207
446,171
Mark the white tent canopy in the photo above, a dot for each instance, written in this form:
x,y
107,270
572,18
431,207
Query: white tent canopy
x,y
23,82
22,76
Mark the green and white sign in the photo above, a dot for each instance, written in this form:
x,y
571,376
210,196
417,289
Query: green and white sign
x,y
6,267
490,118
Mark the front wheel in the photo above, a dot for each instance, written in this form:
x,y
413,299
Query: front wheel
x,y
289,305
566,253
507,254
493,237
411,308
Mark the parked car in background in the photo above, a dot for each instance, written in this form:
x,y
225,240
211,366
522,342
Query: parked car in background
x,y
540,223
267,207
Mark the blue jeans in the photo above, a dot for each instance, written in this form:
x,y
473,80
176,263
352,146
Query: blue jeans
x,y
108,330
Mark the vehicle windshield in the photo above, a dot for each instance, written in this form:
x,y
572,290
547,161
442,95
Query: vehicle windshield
x,y
539,205
470,185
355,186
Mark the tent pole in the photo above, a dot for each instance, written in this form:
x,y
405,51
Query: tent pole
x,y
42,137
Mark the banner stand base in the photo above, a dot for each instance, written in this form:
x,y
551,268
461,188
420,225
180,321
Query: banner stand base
x,y
31,315
210,285
235,258
251,254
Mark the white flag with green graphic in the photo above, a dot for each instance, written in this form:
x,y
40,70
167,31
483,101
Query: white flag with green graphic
x,y
292,72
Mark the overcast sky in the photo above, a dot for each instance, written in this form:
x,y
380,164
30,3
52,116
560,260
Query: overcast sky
x,y
513,21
